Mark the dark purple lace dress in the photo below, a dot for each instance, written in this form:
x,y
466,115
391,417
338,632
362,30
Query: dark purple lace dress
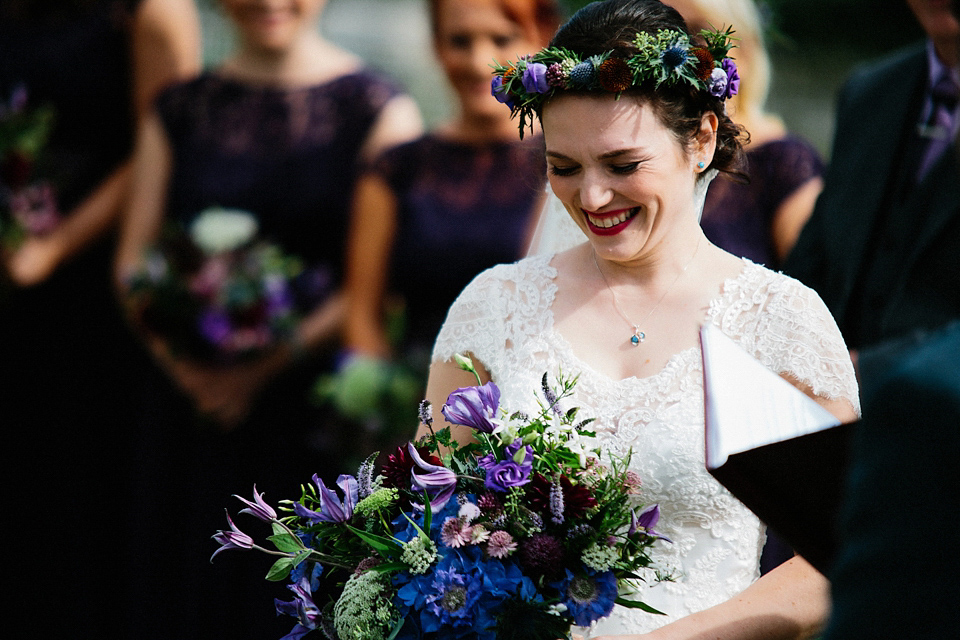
x,y
738,217
290,157
462,208
67,362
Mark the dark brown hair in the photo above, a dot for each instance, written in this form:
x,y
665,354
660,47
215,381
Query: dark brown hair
x,y
611,25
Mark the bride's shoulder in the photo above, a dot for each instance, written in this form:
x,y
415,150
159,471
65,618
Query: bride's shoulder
x,y
506,279
774,287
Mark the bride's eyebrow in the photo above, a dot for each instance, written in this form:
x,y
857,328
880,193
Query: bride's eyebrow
x,y
609,155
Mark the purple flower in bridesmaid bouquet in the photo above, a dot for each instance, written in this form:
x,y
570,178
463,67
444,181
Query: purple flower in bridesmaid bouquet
x,y
474,407
257,508
438,481
214,325
233,539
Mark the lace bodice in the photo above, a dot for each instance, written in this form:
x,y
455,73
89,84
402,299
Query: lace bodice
x,y
504,319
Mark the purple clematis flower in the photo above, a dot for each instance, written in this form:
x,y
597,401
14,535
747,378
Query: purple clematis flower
x,y
258,508
302,608
438,481
331,508
474,407
646,520
534,78
233,539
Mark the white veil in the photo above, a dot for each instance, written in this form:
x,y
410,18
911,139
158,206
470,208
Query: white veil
x,y
556,231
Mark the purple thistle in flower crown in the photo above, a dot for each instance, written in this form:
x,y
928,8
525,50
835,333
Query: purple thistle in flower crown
x,y
674,57
233,539
258,508
582,74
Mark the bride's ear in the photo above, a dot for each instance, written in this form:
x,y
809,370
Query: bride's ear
x,y
705,142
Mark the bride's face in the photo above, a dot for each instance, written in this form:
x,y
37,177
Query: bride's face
x,y
622,175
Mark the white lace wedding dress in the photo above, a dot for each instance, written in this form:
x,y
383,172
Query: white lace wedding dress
x,y
504,319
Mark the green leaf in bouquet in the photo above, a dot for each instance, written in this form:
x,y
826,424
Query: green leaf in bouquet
x,y
636,604
389,567
281,569
286,542
387,546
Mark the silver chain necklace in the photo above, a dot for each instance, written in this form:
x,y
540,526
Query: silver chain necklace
x,y
638,335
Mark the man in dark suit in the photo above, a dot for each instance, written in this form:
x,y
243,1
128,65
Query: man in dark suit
x,y
897,573
882,247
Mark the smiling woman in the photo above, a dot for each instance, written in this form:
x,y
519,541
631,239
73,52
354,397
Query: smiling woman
x,y
632,111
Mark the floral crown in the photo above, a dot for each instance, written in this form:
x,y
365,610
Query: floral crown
x,y
667,58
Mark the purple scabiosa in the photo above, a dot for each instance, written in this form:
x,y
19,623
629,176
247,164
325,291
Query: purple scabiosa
x,y
542,555
453,596
588,596
500,545
233,539
474,407
257,508
733,77
534,78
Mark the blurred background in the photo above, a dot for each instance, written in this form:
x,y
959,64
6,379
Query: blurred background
x,y
814,45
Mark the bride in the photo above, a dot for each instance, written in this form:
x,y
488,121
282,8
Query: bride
x,y
629,156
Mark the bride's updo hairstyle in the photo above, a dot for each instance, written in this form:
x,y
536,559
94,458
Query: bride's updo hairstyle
x,y
612,26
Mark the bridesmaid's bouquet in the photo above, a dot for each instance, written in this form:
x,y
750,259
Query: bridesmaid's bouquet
x,y
216,293
28,202
520,534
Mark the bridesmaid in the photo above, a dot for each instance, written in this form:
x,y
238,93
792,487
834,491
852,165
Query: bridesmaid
x,y
279,130
67,361
431,214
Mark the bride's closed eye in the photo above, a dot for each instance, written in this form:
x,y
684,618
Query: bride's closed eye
x,y
623,169
562,171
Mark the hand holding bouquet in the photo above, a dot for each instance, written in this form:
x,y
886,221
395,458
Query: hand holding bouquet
x,y
520,534
216,294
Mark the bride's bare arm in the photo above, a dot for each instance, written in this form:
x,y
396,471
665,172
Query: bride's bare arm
x,y
791,602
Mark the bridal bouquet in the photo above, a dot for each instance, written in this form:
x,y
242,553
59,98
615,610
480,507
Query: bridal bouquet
x,y
520,534
28,203
216,293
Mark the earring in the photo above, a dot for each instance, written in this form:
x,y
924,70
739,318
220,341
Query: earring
x,y
700,165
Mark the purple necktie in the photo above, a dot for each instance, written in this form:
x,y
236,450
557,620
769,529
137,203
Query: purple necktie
x,y
936,133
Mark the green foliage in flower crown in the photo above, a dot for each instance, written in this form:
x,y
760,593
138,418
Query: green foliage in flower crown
x,y
665,58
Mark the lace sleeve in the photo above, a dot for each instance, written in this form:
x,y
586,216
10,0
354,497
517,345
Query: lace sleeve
x,y
796,335
475,323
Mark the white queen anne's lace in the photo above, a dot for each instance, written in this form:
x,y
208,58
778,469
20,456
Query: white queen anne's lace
x,y
504,319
